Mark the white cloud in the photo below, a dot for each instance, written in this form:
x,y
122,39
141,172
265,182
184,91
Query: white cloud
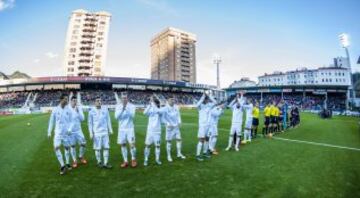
x,y
51,55
36,60
6,4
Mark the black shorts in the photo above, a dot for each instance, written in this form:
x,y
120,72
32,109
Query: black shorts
x,y
281,119
255,122
267,120
273,119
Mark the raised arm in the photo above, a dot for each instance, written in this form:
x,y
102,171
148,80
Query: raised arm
x,y
212,99
109,122
118,112
241,100
232,103
81,114
179,115
90,124
51,122
200,101
131,111
148,109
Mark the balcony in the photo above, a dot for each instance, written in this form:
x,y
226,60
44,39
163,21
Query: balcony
x,y
90,19
92,25
85,61
88,42
84,68
86,54
84,74
86,48
89,36
89,30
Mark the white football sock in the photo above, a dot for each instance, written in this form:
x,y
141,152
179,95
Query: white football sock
x,y
59,157
124,153
168,148
213,142
73,153
198,148
146,153
237,141
67,156
133,153
82,151
157,153
98,156
231,139
106,156
178,148
206,147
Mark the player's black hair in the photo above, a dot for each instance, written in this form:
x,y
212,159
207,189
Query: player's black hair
x,y
157,102
207,98
73,98
62,96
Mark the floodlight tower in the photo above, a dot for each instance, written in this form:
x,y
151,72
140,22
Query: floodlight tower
x,y
217,61
345,43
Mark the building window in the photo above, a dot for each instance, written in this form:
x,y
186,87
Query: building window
x,y
72,50
71,63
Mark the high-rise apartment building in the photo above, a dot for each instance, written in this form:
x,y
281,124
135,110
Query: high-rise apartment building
x,y
86,43
173,56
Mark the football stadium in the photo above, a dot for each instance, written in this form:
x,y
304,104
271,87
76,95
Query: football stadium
x,y
88,132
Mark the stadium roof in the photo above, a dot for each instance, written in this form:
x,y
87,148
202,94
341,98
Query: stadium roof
x,y
100,80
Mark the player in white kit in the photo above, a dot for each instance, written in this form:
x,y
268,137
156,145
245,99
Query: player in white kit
x,y
77,136
125,113
153,133
172,119
204,105
215,114
236,123
99,125
60,116
248,107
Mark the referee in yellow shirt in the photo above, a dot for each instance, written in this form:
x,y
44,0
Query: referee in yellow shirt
x,y
272,117
265,130
255,121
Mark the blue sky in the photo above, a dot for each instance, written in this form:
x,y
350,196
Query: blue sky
x,y
252,37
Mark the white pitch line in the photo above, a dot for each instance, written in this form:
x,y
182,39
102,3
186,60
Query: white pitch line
x,y
318,144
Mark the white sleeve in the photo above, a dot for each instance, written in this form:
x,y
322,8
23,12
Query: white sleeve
x,y
109,121
232,103
179,115
118,112
212,99
198,104
81,114
147,110
51,121
90,123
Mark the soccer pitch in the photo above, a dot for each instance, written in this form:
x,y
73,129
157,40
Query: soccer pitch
x,y
263,168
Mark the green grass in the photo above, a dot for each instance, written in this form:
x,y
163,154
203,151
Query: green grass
x,y
264,168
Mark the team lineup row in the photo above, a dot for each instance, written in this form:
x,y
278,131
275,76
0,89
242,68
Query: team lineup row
x,y
68,133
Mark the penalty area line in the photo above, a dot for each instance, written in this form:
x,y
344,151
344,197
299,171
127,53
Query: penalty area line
x,y
318,144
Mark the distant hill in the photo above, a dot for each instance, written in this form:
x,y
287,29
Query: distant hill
x,y
15,75
3,76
